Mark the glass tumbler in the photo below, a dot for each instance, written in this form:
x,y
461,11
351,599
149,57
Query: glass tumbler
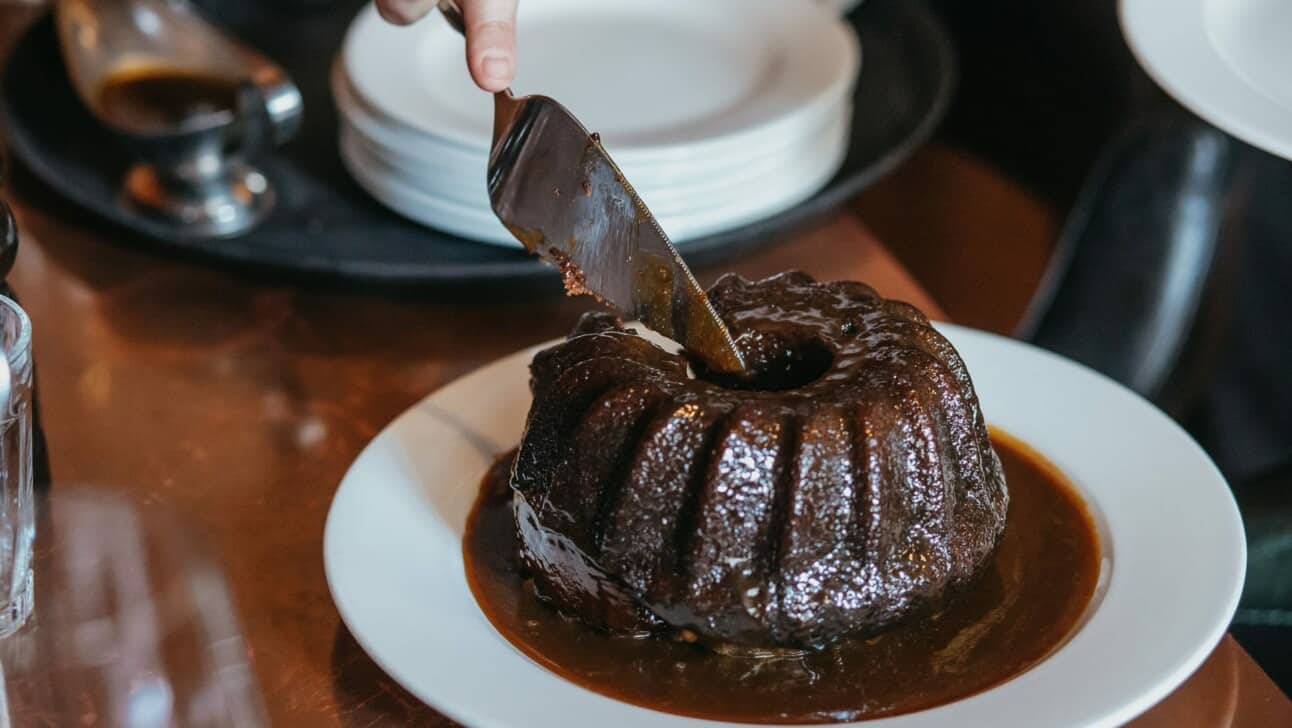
x,y
17,508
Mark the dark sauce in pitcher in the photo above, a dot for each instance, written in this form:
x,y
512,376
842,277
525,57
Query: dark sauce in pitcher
x,y
160,97
1026,604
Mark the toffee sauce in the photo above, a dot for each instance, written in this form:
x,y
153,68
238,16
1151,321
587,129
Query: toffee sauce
x,y
1025,605
161,97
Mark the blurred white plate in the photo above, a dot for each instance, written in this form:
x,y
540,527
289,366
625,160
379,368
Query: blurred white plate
x,y
660,79
1170,532
667,194
404,141
756,198
1229,61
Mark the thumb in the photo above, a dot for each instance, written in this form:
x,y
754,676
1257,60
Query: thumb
x,y
403,12
491,42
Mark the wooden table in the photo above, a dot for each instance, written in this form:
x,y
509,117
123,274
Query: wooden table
x,y
242,403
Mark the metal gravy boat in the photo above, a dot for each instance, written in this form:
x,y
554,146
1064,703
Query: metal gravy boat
x,y
192,105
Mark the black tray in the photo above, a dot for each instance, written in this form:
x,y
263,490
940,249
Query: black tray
x,y
325,225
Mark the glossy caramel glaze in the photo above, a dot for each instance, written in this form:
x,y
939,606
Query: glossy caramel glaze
x,y
1031,594
844,482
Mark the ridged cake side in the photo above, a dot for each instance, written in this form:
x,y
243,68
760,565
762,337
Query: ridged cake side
x,y
782,516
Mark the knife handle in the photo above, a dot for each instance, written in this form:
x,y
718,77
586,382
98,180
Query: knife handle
x,y
453,13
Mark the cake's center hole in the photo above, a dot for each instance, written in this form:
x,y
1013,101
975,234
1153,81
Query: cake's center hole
x,y
774,364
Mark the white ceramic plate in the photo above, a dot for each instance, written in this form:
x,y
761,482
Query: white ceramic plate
x,y
760,197
659,79
1230,61
669,195
1171,538
432,152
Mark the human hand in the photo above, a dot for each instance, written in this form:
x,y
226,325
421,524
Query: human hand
x,y
491,35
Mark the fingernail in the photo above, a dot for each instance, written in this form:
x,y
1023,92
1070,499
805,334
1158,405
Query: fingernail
x,y
402,12
497,67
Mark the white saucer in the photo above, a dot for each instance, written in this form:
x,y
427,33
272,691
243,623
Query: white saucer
x,y
1229,61
644,75
1170,532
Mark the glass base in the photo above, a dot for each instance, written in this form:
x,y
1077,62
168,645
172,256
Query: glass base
x,y
15,613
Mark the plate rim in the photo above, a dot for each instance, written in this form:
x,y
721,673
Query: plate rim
x,y
791,185
841,81
390,133
1229,528
1224,97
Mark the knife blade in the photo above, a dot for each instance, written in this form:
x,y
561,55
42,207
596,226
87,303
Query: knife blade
x,y
555,187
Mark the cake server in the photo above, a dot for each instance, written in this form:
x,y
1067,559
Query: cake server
x,y
556,189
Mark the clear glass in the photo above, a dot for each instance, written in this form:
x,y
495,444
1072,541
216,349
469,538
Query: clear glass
x,y
17,506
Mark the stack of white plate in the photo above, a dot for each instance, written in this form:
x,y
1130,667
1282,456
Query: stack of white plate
x,y
720,112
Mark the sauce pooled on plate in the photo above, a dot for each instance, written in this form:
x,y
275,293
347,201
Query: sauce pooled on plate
x,y
1027,602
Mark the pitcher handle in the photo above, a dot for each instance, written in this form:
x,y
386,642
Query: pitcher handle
x,y
270,109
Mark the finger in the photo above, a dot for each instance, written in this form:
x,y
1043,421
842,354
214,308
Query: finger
x,y
403,12
491,42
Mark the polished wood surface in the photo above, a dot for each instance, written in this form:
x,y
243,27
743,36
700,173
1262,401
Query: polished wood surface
x,y
976,240
241,404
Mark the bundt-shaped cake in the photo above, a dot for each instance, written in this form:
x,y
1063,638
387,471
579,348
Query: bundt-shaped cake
x,y
845,482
